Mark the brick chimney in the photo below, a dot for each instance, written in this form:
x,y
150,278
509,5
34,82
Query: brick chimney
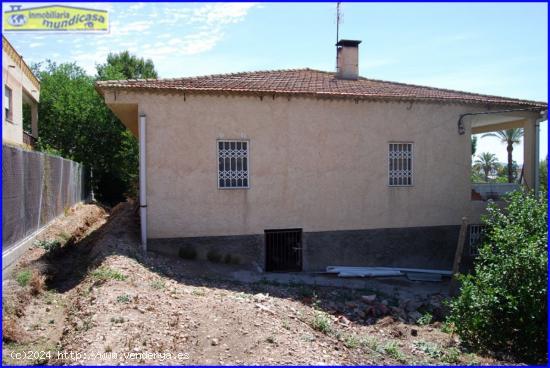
x,y
347,59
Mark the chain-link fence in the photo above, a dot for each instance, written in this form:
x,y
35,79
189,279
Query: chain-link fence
x,y
36,188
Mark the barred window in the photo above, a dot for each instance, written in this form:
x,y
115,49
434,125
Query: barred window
x,y
233,164
477,232
401,164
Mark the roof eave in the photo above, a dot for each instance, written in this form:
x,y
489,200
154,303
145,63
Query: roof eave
x,y
105,87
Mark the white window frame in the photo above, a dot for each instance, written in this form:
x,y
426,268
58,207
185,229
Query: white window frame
x,y
411,168
247,141
8,104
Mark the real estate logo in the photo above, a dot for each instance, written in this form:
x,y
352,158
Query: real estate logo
x,y
55,18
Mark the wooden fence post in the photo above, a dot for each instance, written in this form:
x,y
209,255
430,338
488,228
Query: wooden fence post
x,y
453,287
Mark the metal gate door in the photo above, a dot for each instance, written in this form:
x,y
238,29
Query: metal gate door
x,y
283,250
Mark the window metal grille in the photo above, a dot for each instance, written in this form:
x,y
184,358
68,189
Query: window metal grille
x,y
233,164
283,250
401,164
476,238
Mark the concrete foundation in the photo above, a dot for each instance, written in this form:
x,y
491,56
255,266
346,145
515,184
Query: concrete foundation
x,y
414,247
244,249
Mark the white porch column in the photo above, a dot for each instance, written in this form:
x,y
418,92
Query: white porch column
x,y
143,179
34,120
529,153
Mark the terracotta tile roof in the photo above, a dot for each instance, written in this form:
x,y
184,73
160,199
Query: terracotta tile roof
x,y
312,83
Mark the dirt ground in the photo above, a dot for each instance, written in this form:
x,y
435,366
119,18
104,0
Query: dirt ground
x,y
97,299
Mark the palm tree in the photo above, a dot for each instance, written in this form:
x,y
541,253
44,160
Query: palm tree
x,y
486,161
508,137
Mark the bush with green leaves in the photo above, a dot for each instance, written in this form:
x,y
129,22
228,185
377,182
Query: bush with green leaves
x,y
502,305
48,245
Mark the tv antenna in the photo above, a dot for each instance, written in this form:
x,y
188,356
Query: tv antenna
x,y
338,19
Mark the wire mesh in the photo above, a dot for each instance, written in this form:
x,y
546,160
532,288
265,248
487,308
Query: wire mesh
x,y
36,189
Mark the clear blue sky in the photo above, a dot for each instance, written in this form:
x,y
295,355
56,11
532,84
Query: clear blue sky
x,y
498,48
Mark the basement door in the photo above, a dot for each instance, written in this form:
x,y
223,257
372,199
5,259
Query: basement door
x,y
283,250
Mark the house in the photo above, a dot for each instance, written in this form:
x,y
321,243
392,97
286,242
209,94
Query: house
x,y
21,93
300,169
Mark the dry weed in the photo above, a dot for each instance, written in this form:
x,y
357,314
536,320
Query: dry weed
x,y
37,282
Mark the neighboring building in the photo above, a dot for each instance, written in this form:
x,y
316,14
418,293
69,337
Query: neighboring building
x,y
301,169
20,87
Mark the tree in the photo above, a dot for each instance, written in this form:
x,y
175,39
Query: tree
x,y
126,66
75,122
508,137
502,172
486,162
502,305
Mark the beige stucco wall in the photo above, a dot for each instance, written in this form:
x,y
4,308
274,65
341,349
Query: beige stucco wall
x,y
14,78
315,164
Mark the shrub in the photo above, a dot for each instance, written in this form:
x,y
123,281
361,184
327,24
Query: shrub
x,y
214,256
12,331
426,319
502,305
48,245
187,253
321,322
65,236
23,277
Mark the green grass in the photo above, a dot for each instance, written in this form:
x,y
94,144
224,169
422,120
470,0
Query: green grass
x,y
321,322
351,342
49,296
371,343
117,319
23,277
426,319
429,348
106,273
198,292
123,299
450,355
158,284
47,245
392,350
448,327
